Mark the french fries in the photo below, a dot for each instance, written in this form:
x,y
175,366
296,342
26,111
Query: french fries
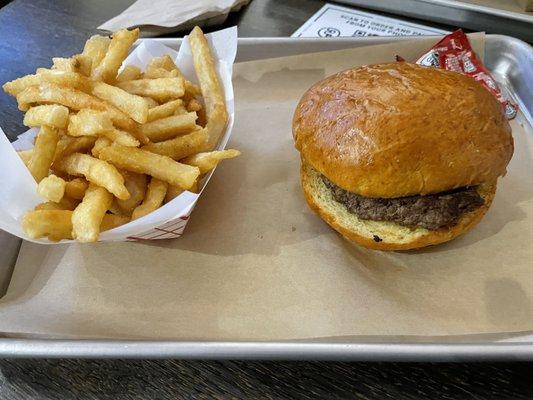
x,y
134,106
160,89
151,103
155,195
141,137
192,90
51,115
182,110
64,78
68,145
25,155
55,76
164,67
52,188
55,224
88,216
194,105
145,162
20,84
43,152
136,185
106,70
158,72
100,143
66,203
113,147
169,127
94,51
96,171
89,122
163,110
207,161
180,147
165,62
45,92
129,73
121,137
217,116
172,193
112,221
114,208
66,64
73,99
76,188
97,123
82,64
195,187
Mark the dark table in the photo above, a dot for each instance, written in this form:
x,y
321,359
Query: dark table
x,y
31,32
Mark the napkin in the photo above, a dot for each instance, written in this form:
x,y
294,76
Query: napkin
x,y
162,16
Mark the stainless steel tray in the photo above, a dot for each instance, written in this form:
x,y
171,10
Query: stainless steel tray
x,y
509,59
466,14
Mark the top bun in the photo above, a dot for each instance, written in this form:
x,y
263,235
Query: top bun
x,y
399,129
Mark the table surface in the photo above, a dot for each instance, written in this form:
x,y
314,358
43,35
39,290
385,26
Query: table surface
x,y
31,32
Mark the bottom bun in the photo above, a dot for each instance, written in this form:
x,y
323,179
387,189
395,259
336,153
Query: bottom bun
x,y
383,235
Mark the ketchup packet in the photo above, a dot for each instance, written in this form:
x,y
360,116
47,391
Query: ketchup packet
x,y
454,53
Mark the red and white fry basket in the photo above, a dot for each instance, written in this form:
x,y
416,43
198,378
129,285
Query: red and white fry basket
x,y
18,192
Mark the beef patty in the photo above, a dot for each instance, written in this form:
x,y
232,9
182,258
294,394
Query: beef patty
x,y
433,211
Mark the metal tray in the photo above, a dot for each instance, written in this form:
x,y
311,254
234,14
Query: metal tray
x,y
470,14
509,59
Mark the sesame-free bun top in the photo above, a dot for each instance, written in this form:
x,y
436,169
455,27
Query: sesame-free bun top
x,y
399,129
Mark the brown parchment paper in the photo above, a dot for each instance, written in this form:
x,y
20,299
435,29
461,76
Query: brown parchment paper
x,y
255,263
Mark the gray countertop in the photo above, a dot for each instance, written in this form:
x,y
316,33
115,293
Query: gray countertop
x,y
31,32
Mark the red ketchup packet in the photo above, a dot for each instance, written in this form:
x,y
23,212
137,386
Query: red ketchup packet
x,y
454,53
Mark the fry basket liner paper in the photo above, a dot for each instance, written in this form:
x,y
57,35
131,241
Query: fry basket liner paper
x,y
19,190
257,264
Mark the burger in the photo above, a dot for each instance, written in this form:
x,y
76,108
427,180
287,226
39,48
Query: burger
x,y
399,156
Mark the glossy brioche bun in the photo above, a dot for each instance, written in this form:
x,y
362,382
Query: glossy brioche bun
x,y
390,235
399,129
